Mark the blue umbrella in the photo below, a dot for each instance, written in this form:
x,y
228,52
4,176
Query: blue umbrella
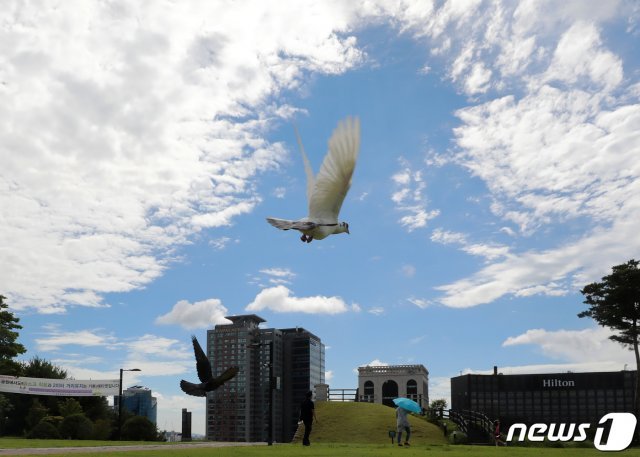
x,y
408,404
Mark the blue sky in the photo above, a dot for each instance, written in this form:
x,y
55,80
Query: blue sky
x,y
143,145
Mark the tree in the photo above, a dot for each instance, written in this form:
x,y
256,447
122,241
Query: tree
x,y
615,303
69,406
9,349
438,404
41,368
5,408
139,428
37,412
34,368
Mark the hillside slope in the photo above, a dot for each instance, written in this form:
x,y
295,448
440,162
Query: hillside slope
x,y
352,422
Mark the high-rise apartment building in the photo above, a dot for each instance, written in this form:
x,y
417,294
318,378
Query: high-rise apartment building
x,y
241,409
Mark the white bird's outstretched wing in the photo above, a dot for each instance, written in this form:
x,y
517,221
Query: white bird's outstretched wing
x,y
311,181
334,179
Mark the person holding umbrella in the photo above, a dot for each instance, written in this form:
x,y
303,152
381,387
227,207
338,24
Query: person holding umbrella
x,y
404,405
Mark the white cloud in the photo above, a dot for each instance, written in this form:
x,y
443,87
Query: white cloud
x,y
376,363
588,350
220,243
126,129
279,192
490,251
440,388
277,276
420,302
170,411
376,310
56,339
478,80
328,376
279,299
575,346
201,314
409,271
580,54
410,199
278,272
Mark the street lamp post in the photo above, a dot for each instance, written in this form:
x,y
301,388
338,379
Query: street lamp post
x,y
120,401
271,386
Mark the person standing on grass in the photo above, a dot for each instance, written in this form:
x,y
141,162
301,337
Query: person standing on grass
x,y
402,422
307,416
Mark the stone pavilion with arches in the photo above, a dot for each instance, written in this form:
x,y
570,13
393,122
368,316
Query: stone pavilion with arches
x,y
383,383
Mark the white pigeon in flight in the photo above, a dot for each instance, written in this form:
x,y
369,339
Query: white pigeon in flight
x,y
326,192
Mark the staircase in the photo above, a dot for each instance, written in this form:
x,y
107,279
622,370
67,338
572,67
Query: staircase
x,y
477,426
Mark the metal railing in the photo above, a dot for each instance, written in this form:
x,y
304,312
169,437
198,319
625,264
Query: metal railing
x,y
342,394
467,422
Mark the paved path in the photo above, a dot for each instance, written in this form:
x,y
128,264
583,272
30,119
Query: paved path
x,y
143,447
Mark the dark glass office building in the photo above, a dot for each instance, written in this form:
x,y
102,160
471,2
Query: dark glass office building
x,y
304,368
240,409
139,400
545,398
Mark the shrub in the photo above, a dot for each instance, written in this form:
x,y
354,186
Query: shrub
x,y
102,429
139,428
45,430
76,427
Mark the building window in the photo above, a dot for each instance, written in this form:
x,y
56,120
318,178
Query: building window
x,y
368,392
412,389
389,392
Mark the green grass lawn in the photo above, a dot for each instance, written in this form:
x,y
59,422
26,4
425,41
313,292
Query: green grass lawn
x,y
352,450
367,423
343,429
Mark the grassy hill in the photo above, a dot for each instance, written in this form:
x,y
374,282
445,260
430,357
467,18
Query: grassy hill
x,y
351,422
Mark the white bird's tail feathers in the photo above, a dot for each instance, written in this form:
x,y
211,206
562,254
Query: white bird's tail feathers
x,y
285,224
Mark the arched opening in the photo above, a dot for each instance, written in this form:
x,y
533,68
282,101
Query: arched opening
x,y
389,392
412,389
368,392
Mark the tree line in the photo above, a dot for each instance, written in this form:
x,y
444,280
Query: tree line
x,y
51,417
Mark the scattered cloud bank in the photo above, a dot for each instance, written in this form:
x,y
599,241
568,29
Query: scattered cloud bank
x,y
145,133
154,355
125,129
280,300
552,134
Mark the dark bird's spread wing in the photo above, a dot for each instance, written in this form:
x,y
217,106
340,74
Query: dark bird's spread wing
x,y
203,366
192,389
224,377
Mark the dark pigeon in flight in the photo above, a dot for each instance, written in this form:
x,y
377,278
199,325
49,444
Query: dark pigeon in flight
x,y
208,382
